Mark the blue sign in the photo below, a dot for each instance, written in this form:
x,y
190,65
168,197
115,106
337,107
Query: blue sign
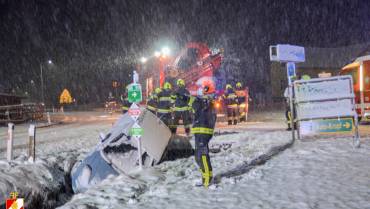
x,y
291,69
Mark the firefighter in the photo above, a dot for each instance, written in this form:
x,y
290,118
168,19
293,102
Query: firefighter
x,y
181,98
164,104
151,104
125,103
203,128
241,99
231,103
288,113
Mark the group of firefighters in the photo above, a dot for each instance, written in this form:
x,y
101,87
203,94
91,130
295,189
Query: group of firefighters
x,y
198,114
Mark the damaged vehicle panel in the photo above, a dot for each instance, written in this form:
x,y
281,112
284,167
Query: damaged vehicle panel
x,y
117,153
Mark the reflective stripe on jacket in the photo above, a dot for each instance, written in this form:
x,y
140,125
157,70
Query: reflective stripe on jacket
x,y
202,130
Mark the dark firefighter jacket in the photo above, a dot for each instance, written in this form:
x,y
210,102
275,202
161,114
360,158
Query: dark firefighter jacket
x,y
241,95
152,102
182,98
204,115
165,101
230,98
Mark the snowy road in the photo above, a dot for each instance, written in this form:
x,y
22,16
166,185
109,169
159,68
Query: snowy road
x,y
322,173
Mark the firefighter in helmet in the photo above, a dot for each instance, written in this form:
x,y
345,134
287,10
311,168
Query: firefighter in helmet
x,y
231,103
125,103
241,100
164,104
203,128
181,108
151,103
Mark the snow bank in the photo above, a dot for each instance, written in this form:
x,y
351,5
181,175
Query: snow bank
x,y
38,183
171,184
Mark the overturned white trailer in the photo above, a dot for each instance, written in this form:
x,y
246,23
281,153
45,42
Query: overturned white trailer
x,y
117,153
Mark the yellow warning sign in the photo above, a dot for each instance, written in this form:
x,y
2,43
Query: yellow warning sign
x,y
65,97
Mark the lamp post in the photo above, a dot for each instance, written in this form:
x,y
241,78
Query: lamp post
x,y
42,80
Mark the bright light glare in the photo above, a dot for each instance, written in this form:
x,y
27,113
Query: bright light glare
x,y
157,54
165,51
143,59
50,62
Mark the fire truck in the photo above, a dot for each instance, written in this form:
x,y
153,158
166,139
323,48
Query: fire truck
x,y
360,72
196,63
193,64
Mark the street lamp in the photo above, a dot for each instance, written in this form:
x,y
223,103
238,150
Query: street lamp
x,y
42,80
143,59
157,54
165,51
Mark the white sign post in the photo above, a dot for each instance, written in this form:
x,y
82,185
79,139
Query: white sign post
x,y
48,117
135,95
9,148
32,142
290,55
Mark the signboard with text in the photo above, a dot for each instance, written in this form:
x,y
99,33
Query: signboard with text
x,y
322,126
325,105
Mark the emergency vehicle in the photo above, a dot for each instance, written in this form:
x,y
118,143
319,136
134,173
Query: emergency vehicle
x,y
360,72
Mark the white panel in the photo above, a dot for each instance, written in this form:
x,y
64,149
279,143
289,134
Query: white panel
x,y
324,90
325,109
287,53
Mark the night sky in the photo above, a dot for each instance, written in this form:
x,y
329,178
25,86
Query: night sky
x,y
94,41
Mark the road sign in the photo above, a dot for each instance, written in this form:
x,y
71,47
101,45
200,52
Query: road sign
x,y
134,93
287,53
134,111
325,126
290,70
136,131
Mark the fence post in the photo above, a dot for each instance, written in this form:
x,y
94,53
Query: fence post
x,y
48,117
9,150
32,142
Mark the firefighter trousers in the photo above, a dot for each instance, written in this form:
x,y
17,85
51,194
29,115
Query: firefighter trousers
x,y
202,157
232,115
242,112
186,121
288,116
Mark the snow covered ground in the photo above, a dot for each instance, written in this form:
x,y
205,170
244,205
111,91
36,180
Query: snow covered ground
x,y
325,173
321,173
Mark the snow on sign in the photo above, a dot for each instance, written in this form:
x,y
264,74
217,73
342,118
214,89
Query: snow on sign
x,y
287,53
324,89
134,111
325,105
324,97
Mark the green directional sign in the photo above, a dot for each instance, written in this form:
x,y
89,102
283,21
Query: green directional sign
x,y
135,93
322,126
136,131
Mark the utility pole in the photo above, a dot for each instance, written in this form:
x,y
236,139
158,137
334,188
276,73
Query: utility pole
x,y
42,85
